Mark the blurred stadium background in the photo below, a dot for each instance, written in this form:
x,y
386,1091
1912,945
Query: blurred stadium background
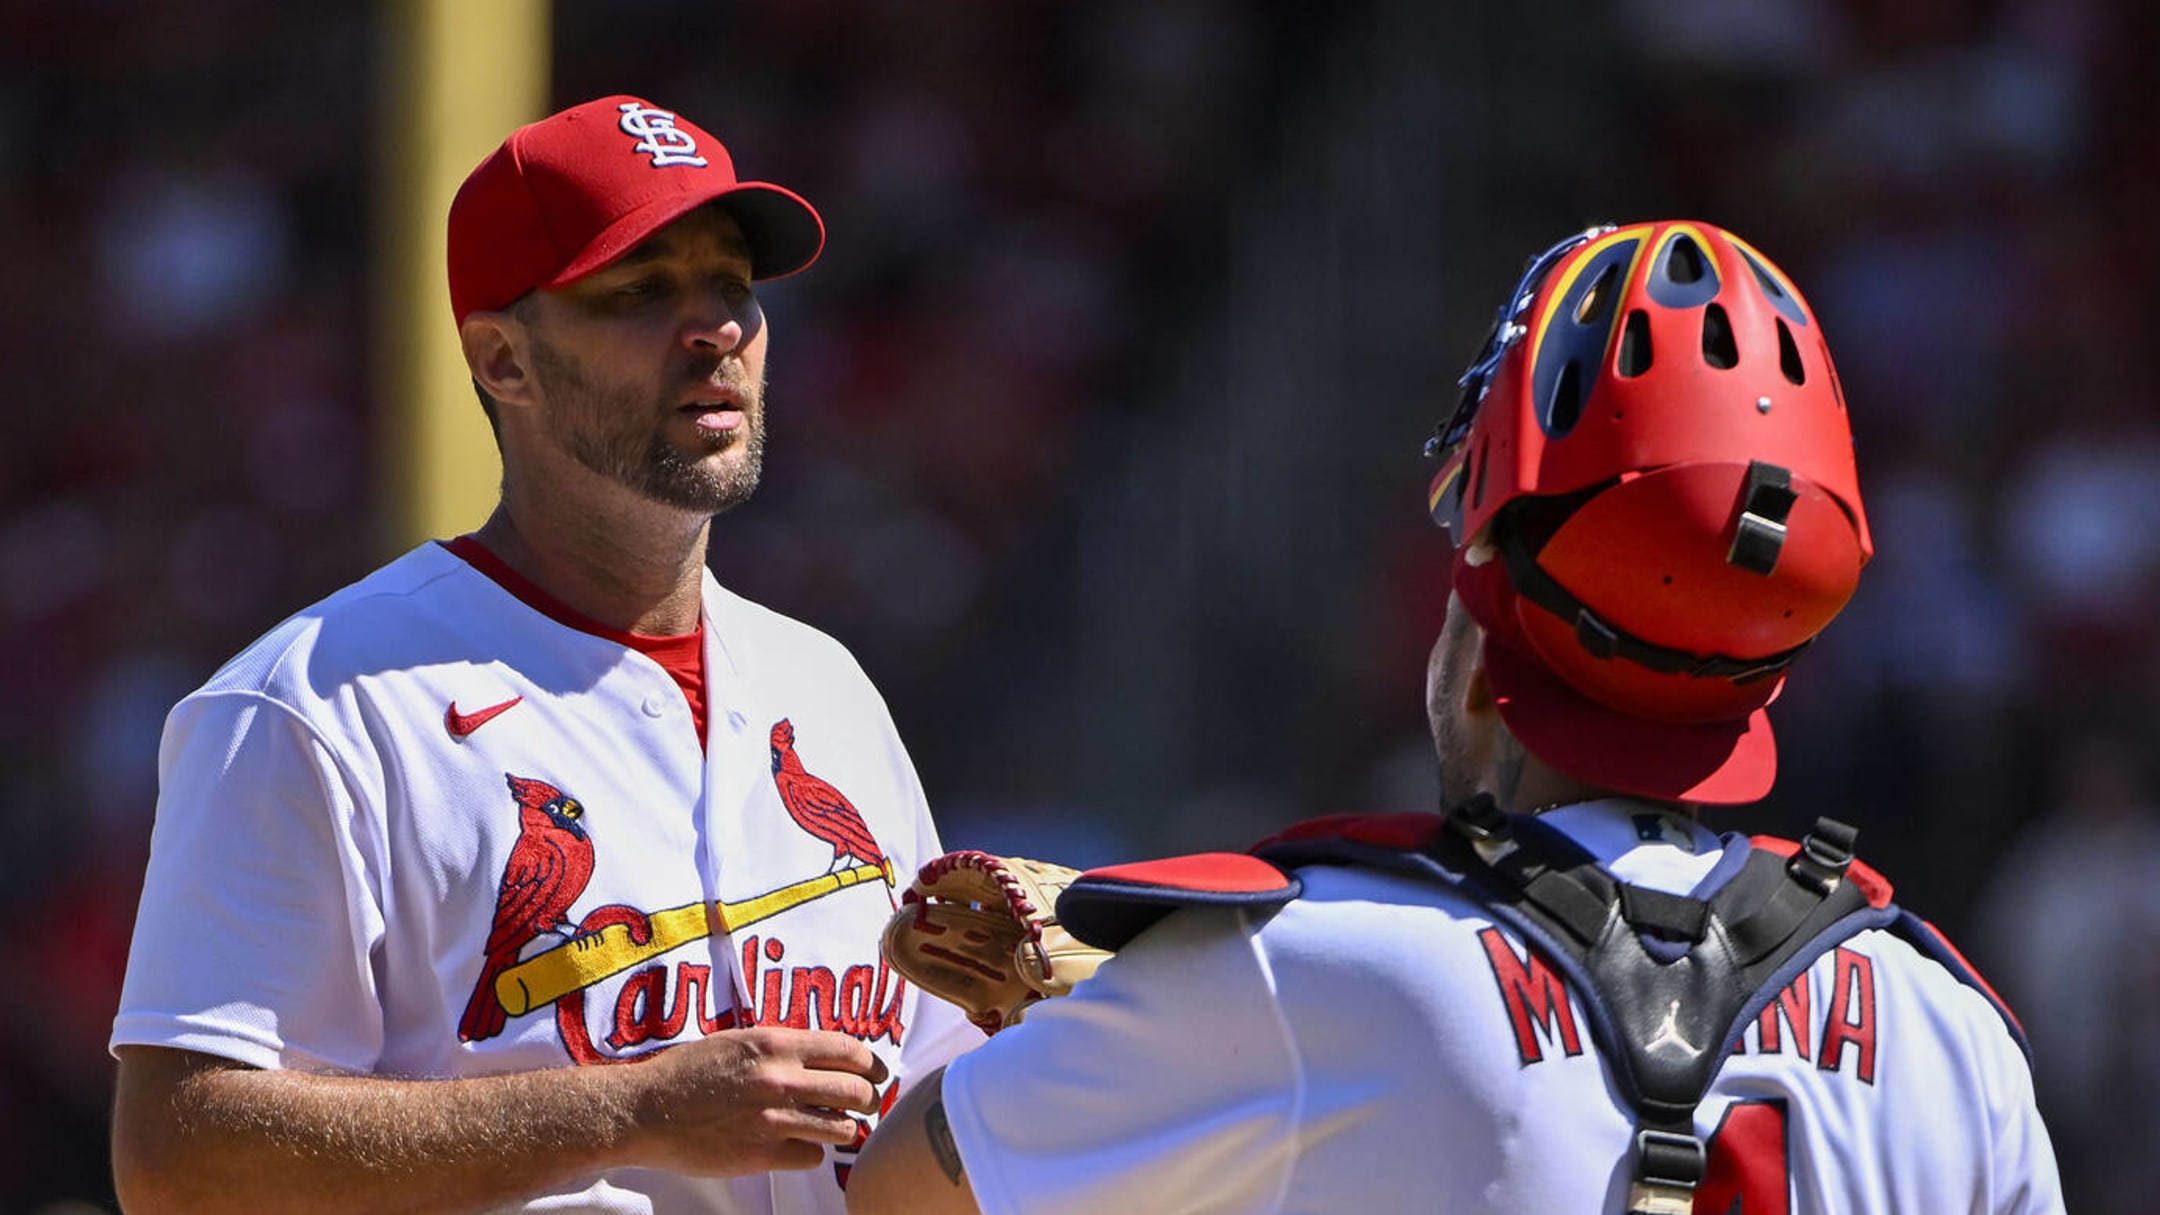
x,y
1097,428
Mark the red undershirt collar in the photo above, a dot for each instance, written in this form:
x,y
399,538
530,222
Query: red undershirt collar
x,y
682,657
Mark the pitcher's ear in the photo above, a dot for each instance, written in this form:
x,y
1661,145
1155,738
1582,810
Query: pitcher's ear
x,y
496,352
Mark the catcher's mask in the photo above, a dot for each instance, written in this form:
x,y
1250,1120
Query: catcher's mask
x,y
1649,482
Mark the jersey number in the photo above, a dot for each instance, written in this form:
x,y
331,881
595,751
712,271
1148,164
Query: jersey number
x,y
1747,1172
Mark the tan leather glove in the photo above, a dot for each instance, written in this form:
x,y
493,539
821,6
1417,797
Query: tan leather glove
x,y
982,932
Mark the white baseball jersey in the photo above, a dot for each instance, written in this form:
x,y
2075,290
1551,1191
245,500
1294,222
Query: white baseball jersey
x,y
423,829
1382,1045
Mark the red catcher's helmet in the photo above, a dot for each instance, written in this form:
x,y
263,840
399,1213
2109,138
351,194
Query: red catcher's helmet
x,y
1650,484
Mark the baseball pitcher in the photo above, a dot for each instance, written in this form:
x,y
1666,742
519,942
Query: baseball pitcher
x,y
537,870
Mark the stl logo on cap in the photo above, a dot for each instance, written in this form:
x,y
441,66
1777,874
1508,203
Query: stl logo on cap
x,y
568,194
658,136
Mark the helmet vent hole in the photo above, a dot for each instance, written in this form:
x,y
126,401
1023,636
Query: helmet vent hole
x,y
1476,473
1635,353
1718,347
1685,263
1592,305
1770,285
1668,580
1788,355
1567,400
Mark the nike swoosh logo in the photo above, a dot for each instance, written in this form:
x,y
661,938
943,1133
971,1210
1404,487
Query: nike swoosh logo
x,y
462,724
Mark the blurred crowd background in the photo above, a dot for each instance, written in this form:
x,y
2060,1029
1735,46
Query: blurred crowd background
x,y
1096,430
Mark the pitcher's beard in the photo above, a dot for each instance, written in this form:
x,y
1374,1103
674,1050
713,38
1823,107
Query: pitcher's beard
x,y
671,480
588,426
662,473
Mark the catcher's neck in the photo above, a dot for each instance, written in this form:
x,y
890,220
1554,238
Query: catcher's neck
x,y
1524,784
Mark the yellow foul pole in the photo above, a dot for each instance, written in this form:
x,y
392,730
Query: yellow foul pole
x,y
458,76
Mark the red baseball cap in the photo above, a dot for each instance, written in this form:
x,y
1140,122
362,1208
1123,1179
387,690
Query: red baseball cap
x,y
569,194
1720,763
1729,760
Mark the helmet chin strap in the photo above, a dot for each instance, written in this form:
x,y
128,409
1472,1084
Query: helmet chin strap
x,y
1606,640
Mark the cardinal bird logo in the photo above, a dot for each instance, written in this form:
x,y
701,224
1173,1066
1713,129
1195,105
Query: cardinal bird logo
x,y
548,868
817,807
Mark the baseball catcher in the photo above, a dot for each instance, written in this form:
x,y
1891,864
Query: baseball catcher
x,y
1564,991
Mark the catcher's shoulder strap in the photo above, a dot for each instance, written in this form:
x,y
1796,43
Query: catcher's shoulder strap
x,y
1668,981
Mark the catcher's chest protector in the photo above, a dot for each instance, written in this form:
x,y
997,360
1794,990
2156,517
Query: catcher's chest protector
x,y
1653,970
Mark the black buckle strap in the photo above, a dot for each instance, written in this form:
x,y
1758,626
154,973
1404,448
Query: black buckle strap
x,y
1479,820
1799,887
1674,917
1574,894
1668,1168
1573,903
1766,498
1824,855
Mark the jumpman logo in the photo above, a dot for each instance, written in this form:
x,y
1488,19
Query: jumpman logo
x,y
1668,1034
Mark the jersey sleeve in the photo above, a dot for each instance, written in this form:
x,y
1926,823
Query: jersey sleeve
x,y
254,935
2026,1180
1166,1082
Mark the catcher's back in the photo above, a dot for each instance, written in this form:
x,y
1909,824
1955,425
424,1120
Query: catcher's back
x,y
1385,1043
